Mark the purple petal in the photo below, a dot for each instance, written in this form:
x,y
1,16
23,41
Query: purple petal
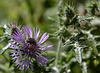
x,y
43,36
16,41
41,45
18,61
23,64
28,63
48,47
18,35
31,31
14,46
18,53
15,57
25,32
42,60
37,35
28,31
45,39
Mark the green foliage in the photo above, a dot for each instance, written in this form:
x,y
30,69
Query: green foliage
x,y
80,39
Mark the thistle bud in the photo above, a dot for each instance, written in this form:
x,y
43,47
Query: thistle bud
x,y
14,29
69,11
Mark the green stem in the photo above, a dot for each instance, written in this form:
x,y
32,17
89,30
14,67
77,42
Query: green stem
x,y
5,57
57,54
59,41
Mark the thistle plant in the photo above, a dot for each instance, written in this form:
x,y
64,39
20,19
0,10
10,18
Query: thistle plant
x,y
26,48
30,50
75,36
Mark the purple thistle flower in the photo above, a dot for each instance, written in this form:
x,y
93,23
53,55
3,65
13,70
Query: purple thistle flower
x,y
30,48
12,26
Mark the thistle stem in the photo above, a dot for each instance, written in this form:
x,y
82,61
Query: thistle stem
x,y
5,57
57,54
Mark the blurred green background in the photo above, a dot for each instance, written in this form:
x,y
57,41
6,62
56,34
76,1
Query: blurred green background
x,y
30,12
27,12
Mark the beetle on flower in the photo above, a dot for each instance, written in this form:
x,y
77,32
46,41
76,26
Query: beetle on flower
x,y
28,48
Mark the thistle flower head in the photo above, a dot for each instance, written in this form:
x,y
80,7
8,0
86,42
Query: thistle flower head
x,y
69,11
12,26
28,48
